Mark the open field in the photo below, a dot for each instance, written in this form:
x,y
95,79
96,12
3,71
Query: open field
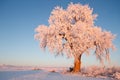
x,y
49,73
42,75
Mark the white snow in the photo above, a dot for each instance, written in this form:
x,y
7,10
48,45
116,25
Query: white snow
x,y
52,73
42,75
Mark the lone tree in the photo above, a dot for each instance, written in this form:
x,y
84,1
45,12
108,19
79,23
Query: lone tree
x,y
72,31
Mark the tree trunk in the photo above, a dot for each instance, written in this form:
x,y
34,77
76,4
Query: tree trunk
x,y
77,64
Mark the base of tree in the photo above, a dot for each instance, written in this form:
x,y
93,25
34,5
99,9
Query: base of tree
x,y
77,64
76,68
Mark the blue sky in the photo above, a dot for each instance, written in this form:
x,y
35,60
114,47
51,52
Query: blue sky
x,y
19,18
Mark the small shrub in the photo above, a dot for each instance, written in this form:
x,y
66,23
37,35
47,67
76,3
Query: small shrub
x,y
53,71
70,69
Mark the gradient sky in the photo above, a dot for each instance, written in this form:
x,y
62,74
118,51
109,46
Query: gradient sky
x,y
19,18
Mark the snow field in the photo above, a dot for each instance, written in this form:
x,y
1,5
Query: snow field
x,y
43,75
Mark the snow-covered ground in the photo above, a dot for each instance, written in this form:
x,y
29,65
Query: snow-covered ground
x,y
42,75
47,73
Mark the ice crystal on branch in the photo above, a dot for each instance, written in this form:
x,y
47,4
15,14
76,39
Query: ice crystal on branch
x,y
72,31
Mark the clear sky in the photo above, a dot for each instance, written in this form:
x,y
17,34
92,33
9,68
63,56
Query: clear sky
x,y
19,18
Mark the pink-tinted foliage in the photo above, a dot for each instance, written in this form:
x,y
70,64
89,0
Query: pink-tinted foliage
x,y
102,72
72,31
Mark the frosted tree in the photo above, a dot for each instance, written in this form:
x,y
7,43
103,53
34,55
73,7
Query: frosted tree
x,y
72,32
